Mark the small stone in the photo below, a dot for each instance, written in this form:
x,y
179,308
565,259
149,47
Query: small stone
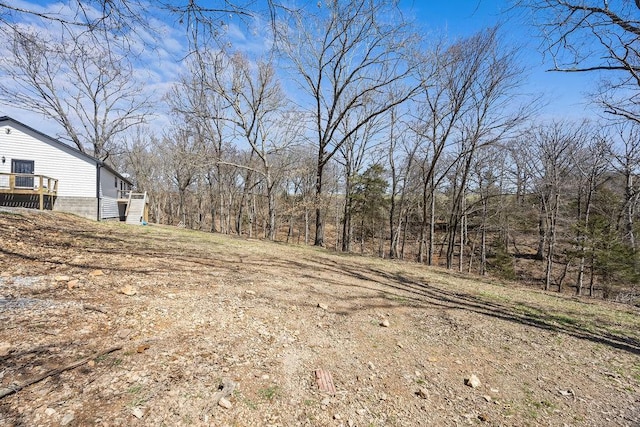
x,y
95,273
223,402
123,333
399,345
62,278
418,374
383,396
72,284
361,411
371,366
385,323
137,412
423,393
128,290
265,377
5,349
323,306
67,419
49,411
472,381
91,363
250,292
483,417
487,398
326,401
337,417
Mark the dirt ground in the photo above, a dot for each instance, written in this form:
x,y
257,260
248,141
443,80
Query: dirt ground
x,y
191,315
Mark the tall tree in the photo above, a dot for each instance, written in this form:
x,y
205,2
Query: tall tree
x,y
347,56
256,103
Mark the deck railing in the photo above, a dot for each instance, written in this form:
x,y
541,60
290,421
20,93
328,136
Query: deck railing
x,y
29,184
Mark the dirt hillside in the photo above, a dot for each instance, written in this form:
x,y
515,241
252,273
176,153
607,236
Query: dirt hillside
x,y
158,326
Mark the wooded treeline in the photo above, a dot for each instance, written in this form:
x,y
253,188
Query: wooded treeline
x,y
351,129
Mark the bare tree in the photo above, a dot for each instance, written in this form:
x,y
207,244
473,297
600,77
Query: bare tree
x,y
344,56
90,91
256,103
595,35
625,160
490,114
551,162
591,168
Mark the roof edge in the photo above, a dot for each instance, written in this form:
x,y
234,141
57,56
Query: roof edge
x,y
89,157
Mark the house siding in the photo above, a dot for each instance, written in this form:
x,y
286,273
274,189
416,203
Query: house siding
x,y
109,185
75,174
78,190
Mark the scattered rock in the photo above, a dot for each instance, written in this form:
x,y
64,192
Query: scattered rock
x,y
383,396
371,366
142,348
250,292
96,273
137,412
128,290
487,398
423,393
62,278
483,417
385,323
72,284
323,306
337,417
123,333
5,349
399,345
224,391
567,393
472,381
67,419
326,401
49,411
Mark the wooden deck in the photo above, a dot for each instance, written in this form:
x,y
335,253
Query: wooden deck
x,y
29,185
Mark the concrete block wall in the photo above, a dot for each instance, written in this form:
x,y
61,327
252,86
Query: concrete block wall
x,y
82,206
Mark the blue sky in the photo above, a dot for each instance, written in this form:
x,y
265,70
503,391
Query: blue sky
x,y
563,92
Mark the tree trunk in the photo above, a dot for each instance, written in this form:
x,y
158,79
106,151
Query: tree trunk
x,y
319,237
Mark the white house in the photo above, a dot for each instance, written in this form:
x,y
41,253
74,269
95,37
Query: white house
x,y
39,171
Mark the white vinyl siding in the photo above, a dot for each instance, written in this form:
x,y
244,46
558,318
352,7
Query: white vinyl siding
x,y
108,194
76,174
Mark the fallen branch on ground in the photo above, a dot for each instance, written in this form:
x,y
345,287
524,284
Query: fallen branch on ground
x,y
14,389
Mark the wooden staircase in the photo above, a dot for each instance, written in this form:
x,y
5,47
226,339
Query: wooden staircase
x,y
136,206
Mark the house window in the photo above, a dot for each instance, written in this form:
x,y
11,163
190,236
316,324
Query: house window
x,y
116,182
24,168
